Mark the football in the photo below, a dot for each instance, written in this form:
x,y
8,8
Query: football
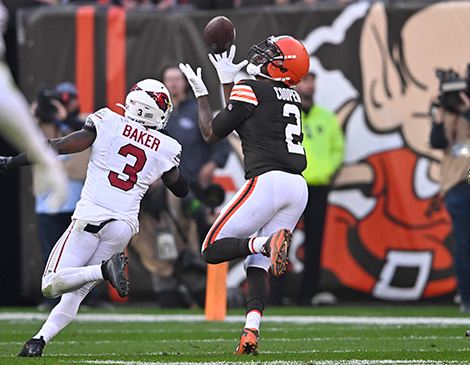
x,y
219,34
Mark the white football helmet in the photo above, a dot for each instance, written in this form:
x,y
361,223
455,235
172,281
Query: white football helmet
x,y
149,104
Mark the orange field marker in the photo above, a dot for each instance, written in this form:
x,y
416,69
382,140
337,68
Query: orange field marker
x,y
216,292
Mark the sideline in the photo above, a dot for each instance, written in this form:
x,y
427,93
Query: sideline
x,y
123,318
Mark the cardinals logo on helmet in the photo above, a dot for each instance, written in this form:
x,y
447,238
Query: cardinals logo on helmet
x,y
161,99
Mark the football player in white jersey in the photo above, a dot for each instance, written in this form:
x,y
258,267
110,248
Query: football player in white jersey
x,y
19,128
128,154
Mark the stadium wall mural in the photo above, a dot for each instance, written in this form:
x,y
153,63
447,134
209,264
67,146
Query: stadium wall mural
x,y
388,236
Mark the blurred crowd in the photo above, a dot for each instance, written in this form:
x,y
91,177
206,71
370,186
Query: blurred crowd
x,y
165,5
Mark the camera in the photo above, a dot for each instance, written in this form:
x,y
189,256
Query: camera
x,y
213,195
451,85
209,196
46,111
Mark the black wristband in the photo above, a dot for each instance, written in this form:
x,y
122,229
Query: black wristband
x,y
20,160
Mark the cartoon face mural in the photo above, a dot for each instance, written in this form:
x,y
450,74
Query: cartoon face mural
x,y
388,234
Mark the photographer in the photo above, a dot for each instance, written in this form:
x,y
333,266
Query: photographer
x,y
67,95
199,160
59,107
451,133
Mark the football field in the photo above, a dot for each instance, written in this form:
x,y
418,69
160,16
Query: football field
x,y
328,335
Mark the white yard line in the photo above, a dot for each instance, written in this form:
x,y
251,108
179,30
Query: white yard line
x,y
322,362
265,340
111,317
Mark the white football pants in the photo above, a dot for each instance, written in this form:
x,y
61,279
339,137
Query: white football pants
x,y
263,205
67,267
74,268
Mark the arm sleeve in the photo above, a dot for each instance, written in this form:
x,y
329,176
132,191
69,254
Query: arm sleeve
x,y
229,118
180,187
438,138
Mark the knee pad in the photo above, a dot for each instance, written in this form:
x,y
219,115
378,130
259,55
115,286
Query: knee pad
x,y
46,286
211,256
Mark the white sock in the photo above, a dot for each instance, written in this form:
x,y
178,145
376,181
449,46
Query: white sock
x,y
256,243
253,319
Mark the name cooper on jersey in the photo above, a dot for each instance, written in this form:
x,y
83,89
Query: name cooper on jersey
x,y
142,137
287,94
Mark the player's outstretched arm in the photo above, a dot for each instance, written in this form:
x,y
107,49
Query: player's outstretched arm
x,y
226,69
204,108
72,143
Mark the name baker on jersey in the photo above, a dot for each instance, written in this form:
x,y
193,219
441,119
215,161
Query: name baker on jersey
x,y
142,137
287,94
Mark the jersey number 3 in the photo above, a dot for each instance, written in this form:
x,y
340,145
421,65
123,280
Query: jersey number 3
x,y
293,146
129,170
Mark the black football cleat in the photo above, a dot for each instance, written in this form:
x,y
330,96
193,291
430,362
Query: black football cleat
x,y
114,270
33,348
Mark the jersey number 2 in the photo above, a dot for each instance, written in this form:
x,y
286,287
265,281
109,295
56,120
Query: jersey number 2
x,y
292,130
129,170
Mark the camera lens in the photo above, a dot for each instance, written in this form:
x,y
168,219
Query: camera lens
x,y
214,195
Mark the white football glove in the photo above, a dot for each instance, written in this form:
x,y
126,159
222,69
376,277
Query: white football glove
x,y
225,67
195,80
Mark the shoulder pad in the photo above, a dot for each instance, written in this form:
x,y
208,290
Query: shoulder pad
x,y
97,117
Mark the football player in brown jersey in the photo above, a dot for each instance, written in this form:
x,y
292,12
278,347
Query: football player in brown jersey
x,y
266,114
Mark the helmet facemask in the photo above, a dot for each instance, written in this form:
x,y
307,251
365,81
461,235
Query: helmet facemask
x,y
263,54
282,58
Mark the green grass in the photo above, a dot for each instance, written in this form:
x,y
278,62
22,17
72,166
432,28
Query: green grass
x,y
345,339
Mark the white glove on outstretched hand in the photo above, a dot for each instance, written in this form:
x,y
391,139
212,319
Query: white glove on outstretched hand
x,y
225,67
199,89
